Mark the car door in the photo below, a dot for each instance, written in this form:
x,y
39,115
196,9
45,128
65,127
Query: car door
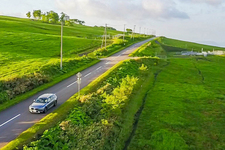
x,y
49,103
51,100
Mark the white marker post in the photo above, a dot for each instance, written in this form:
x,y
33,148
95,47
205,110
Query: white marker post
x,y
79,82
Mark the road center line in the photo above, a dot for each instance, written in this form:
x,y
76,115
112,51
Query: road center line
x,y
87,75
72,84
9,120
99,68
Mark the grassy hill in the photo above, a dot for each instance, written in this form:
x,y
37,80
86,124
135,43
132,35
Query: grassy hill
x,y
185,45
24,41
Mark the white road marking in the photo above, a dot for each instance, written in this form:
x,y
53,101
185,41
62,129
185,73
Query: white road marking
x,y
9,120
72,84
87,74
99,68
107,62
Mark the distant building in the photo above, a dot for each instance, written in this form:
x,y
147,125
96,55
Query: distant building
x,y
191,53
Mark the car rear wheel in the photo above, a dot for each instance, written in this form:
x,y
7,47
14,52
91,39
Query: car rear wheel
x,y
45,110
55,103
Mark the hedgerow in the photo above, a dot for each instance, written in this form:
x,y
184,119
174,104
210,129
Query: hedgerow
x,y
19,84
149,49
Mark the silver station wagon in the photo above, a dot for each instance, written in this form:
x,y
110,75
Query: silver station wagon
x,y
43,103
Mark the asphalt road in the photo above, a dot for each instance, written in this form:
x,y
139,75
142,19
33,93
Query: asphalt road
x,y
16,119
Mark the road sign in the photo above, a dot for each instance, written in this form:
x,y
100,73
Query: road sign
x,y
79,82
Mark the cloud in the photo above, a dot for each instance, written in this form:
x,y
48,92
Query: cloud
x,y
122,10
210,2
163,9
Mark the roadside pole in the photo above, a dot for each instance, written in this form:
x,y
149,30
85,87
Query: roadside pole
x,y
133,32
105,35
79,82
124,31
61,53
61,44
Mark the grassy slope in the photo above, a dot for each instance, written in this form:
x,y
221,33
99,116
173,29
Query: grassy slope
x,y
27,44
188,45
184,107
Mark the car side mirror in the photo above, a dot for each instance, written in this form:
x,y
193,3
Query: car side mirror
x,y
34,100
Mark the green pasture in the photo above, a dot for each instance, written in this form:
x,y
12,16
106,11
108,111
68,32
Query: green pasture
x,y
185,107
149,49
27,43
185,45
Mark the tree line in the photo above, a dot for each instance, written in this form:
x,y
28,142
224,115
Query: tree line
x,y
53,17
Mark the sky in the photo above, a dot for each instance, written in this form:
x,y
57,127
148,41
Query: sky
x,y
200,21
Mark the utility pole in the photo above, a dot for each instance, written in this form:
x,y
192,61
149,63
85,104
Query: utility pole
x,y
144,31
105,35
124,31
61,54
133,32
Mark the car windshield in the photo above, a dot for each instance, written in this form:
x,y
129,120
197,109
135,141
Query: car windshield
x,y
40,100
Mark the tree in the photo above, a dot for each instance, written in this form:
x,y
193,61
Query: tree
x,y
129,30
37,14
53,17
77,21
44,17
62,18
28,14
47,16
69,23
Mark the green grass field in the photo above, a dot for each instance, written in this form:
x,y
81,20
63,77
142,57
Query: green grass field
x,y
185,107
188,45
27,44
